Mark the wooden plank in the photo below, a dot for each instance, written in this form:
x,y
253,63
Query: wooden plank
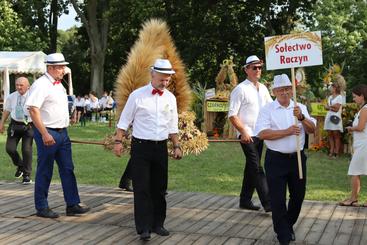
x,y
189,239
356,236
315,232
211,215
346,227
333,225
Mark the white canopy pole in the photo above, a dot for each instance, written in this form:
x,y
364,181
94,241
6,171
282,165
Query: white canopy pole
x,y
6,86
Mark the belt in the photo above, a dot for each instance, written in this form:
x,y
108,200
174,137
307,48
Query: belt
x,y
133,139
12,121
285,155
56,129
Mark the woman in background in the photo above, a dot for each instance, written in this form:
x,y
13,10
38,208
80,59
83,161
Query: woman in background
x,y
358,164
333,120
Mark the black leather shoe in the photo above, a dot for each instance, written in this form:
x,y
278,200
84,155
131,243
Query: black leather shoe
x,y
76,209
126,186
293,236
267,209
161,231
284,242
47,213
249,206
145,236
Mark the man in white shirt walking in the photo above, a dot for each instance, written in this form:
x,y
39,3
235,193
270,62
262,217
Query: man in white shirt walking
x,y
48,106
20,128
152,111
275,125
246,99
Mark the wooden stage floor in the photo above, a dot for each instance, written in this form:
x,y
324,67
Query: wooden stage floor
x,y
192,218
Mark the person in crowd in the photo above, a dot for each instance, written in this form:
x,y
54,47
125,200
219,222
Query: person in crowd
x,y
94,105
79,104
333,120
246,99
48,107
276,125
358,164
152,112
87,108
20,128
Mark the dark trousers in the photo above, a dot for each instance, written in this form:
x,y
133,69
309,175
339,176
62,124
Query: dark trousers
x,y
253,175
24,163
127,175
46,155
282,171
149,162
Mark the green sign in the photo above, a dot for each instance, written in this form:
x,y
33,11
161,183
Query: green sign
x,y
318,109
217,106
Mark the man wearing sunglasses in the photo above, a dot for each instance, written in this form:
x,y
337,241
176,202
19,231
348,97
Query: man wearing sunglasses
x,y
246,100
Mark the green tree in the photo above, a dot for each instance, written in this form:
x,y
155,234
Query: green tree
x,y
15,36
344,38
93,15
41,16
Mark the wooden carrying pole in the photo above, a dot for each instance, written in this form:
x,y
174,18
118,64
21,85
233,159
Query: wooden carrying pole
x,y
300,172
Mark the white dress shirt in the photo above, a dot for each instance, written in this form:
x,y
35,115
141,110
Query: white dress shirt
x,y
246,102
79,103
51,100
276,117
15,105
153,117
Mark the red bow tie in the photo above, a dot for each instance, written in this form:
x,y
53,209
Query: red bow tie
x,y
157,91
56,82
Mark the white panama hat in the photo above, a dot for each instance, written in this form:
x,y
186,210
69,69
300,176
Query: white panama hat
x,y
253,59
281,81
56,59
163,66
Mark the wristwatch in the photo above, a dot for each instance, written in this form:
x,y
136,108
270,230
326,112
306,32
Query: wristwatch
x,y
177,146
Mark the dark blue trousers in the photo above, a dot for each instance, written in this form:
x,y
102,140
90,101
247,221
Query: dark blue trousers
x,y
282,171
46,155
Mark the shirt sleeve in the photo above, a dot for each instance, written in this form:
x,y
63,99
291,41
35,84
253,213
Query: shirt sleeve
x,y
7,106
235,101
127,114
36,97
173,127
263,120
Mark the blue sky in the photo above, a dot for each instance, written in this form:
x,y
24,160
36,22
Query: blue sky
x,y
67,21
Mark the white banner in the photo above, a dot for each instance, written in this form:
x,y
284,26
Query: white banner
x,y
293,50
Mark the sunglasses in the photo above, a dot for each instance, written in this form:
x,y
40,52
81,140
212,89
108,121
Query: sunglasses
x,y
254,68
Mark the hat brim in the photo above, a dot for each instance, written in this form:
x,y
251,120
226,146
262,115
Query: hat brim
x,y
57,64
170,72
283,86
254,62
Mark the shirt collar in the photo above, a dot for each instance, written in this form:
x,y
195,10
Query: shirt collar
x,y
279,106
50,78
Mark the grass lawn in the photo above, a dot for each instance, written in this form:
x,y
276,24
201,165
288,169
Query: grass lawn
x,y
217,170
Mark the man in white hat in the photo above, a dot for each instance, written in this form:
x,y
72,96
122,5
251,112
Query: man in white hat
x,y
275,125
152,111
48,107
246,99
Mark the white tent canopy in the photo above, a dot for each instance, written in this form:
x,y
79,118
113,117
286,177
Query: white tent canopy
x,y
24,63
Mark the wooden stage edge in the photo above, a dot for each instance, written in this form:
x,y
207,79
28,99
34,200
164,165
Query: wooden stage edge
x,y
192,218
